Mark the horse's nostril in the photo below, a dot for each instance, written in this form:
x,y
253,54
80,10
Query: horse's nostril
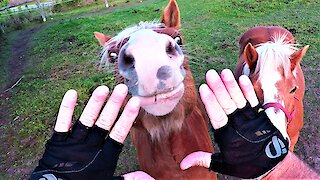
x,y
164,72
126,61
171,50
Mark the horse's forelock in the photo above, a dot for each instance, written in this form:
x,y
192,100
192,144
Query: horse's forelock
x,y
274,54
117,40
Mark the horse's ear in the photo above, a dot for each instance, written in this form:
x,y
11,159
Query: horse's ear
x,y
102,38
171,15
250,56
297,56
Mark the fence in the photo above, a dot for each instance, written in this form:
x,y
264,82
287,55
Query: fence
x,y
9,14
15,16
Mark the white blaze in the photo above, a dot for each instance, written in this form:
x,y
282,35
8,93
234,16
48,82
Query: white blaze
x,y
270,92
270,59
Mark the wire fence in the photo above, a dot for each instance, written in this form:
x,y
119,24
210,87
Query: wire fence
x,y
16,16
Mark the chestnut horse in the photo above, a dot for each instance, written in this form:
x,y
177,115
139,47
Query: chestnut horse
x,y
172,123
271,59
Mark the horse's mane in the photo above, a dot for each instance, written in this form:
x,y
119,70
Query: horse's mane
x,y
118,39
274,54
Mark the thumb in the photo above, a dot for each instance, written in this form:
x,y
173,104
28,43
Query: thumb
x,y
198,158
137,175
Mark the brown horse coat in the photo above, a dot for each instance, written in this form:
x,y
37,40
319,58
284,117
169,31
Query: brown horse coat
x,y
247,54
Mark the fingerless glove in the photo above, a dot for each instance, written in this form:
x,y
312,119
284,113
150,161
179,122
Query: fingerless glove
x,y
83,153
250,144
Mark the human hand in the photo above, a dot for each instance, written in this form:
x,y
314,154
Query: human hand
x,y
250,144
137,175
83,151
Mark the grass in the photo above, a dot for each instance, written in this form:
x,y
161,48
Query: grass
x,y
5,49
65,55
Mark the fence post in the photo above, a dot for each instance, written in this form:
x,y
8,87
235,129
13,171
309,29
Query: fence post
x,y
2,28
41,11
106,3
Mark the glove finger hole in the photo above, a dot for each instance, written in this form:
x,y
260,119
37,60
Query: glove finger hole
x,y
97,136
79,131
59,136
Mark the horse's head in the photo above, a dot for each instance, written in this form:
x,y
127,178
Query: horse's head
x,y
148,58
272,61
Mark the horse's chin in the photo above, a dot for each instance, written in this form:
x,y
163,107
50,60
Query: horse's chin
x,y
162,104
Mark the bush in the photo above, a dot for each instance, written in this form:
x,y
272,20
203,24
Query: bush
x,y
65,6
73,4
16,21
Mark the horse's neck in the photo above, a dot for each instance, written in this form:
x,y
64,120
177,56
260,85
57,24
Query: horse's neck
x,y
160,127
168,151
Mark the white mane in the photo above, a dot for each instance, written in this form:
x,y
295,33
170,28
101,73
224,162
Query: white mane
x,y
118,39
274,54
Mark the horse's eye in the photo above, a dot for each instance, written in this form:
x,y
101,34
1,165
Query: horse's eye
x,y
113,57
178,40
293,90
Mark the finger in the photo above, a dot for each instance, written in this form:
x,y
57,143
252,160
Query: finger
x,y
65,113
95,103
198,158
248,90
233,88
215,112
220,91
137,175
122,127
111,109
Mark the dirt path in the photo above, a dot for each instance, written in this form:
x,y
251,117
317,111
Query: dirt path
x,y
17,65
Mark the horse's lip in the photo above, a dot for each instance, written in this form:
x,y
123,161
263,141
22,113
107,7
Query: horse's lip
x,y
175,93
171,94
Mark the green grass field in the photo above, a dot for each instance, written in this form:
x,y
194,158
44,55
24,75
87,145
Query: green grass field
x,y
64,54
